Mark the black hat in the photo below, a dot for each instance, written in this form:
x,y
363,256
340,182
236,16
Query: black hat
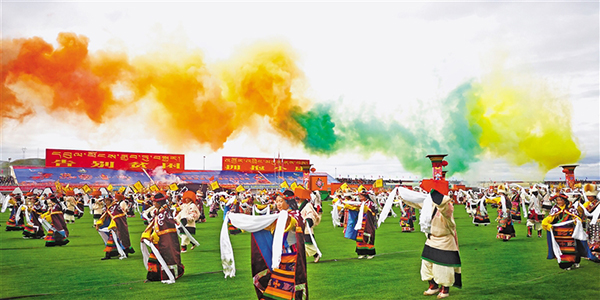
x,y
159,197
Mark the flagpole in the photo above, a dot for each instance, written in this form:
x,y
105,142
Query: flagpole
x,y
152,180
261,174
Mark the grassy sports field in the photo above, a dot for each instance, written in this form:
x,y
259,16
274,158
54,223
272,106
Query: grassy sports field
x,y
491,269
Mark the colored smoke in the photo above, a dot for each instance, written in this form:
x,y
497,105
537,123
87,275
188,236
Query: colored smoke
x,y
191,103
320,137
79,82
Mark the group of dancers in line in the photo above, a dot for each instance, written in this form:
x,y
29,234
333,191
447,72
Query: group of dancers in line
x,y
287,218
568,215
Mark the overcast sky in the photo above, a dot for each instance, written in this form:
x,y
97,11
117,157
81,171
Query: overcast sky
x,y
350,53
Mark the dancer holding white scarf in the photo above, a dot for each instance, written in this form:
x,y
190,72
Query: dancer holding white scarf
x,y
440,259
480,217
311,219
591,209
113,228
561,224
187,217
506,230
534,215
163,263
278,252
360,224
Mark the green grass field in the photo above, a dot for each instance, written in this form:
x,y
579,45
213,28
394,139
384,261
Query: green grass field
x,y
491,269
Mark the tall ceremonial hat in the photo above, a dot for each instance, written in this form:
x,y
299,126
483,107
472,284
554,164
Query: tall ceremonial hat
x,y
96,194
440,185
590,190
119,197
189,195
70,193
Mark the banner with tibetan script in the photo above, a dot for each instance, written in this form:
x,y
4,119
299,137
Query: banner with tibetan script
x,y
129,161
264,165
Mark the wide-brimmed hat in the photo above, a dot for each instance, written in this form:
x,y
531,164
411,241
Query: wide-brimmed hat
x,y
159,197
590,190
189,195
501,189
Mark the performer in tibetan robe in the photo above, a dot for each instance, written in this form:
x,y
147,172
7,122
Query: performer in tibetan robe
x,y
58,232
562,223
163,262
112,226
278,250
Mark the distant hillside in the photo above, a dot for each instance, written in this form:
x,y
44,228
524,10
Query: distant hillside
x,y
5,165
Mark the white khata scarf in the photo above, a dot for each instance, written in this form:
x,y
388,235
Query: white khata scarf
x,y
161,260
104,232
251,224
578,234
387,207
594,214
426,206
522,199
264,211
504,209
335,215
482,206
359,221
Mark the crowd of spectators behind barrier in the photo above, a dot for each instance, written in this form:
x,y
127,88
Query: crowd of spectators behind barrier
x,y
366,181
7,181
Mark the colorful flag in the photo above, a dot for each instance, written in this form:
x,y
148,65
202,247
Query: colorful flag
x,y
344,186
173,186
154,188
378,183
58,186
284,185
240,188
109,188
360,188
121,189
214,185
293,186
86,189
139,187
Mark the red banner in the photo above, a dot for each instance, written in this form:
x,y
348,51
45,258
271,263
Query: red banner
x,y
269,165
114,160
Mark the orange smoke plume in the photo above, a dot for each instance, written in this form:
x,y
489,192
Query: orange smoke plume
x,y
186,99
196,103
266,82
189,99
78,82
10,106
